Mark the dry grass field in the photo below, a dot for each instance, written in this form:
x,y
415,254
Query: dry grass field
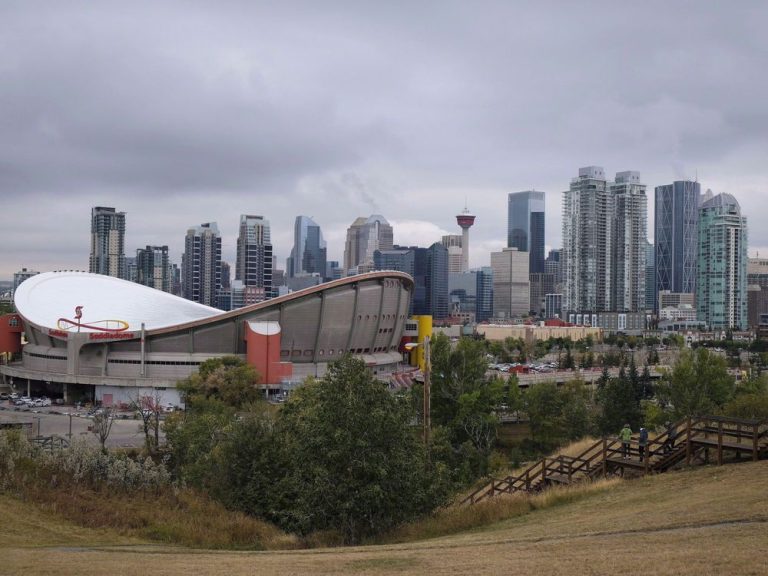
x,y
711,520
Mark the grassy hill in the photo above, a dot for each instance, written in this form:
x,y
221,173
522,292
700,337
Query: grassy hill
x,y
711,520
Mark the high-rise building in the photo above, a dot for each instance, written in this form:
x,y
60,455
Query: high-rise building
x,y
721,287
430,275
398,258
152,267
541,285
525,226
650,277
254,253
465,220
107,242
308,255
676,237
20,276
630,230
455,253
511,283
604,242
364,237
554,265
586,254
462,293
757,288
484,294
201,264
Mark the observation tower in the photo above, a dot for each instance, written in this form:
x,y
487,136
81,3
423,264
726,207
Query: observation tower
x,y
465,220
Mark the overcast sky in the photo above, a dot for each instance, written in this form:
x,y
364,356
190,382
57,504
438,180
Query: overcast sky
x,y
186,112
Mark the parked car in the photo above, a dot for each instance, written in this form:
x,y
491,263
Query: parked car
x,y
4,396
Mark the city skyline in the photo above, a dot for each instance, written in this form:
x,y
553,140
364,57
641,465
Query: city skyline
x,y
343,110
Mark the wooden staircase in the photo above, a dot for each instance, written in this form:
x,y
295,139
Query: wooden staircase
x,y
697,440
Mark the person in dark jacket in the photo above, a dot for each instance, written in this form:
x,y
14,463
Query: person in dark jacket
x,y
642,442
669,445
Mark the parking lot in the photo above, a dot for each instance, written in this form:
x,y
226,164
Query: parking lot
x,y
127,430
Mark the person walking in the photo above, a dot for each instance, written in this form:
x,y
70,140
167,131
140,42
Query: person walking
x,y
669,445
642,442
626,437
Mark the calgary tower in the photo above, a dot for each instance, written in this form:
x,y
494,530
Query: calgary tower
x,y
465,220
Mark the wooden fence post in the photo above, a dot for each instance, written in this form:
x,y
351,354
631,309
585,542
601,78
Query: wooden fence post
x,y
720,443
605,456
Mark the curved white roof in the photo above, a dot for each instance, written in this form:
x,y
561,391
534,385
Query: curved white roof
x,y
45,298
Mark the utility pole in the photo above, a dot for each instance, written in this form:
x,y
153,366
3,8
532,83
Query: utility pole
x,y
427,393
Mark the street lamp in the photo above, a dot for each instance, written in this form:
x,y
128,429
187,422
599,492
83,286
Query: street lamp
x,y
427,384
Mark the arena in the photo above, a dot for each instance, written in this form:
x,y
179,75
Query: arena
x,y
96,337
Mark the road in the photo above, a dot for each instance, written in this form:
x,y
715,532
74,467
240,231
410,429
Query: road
x,y
127,432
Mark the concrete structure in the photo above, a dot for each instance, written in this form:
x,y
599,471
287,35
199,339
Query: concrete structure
x,y
364,237
20,276
130,339
681,313
532,333
553,306
676,236
254,253
669,299
153,269
201,264
511,283
107,242
452,242
721,289
625,322
525,226
465,220
309,252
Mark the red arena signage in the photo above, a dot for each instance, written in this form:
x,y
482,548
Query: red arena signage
x,y
58,334
111,336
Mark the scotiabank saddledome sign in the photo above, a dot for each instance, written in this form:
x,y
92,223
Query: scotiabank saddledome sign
x,y
97,330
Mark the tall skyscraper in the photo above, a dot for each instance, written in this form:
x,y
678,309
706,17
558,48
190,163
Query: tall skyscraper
x,y
630,231
107,242
586,255
757,290
399,258
484,294
152,267
254,253
511,283
676,237
201,264
430,276
465,220
650,276
455,253
364,237
525,226
308,255
604,242
721,288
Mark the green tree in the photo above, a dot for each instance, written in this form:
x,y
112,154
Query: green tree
x,y
544,407
227,379
355,464
618,405
699,383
